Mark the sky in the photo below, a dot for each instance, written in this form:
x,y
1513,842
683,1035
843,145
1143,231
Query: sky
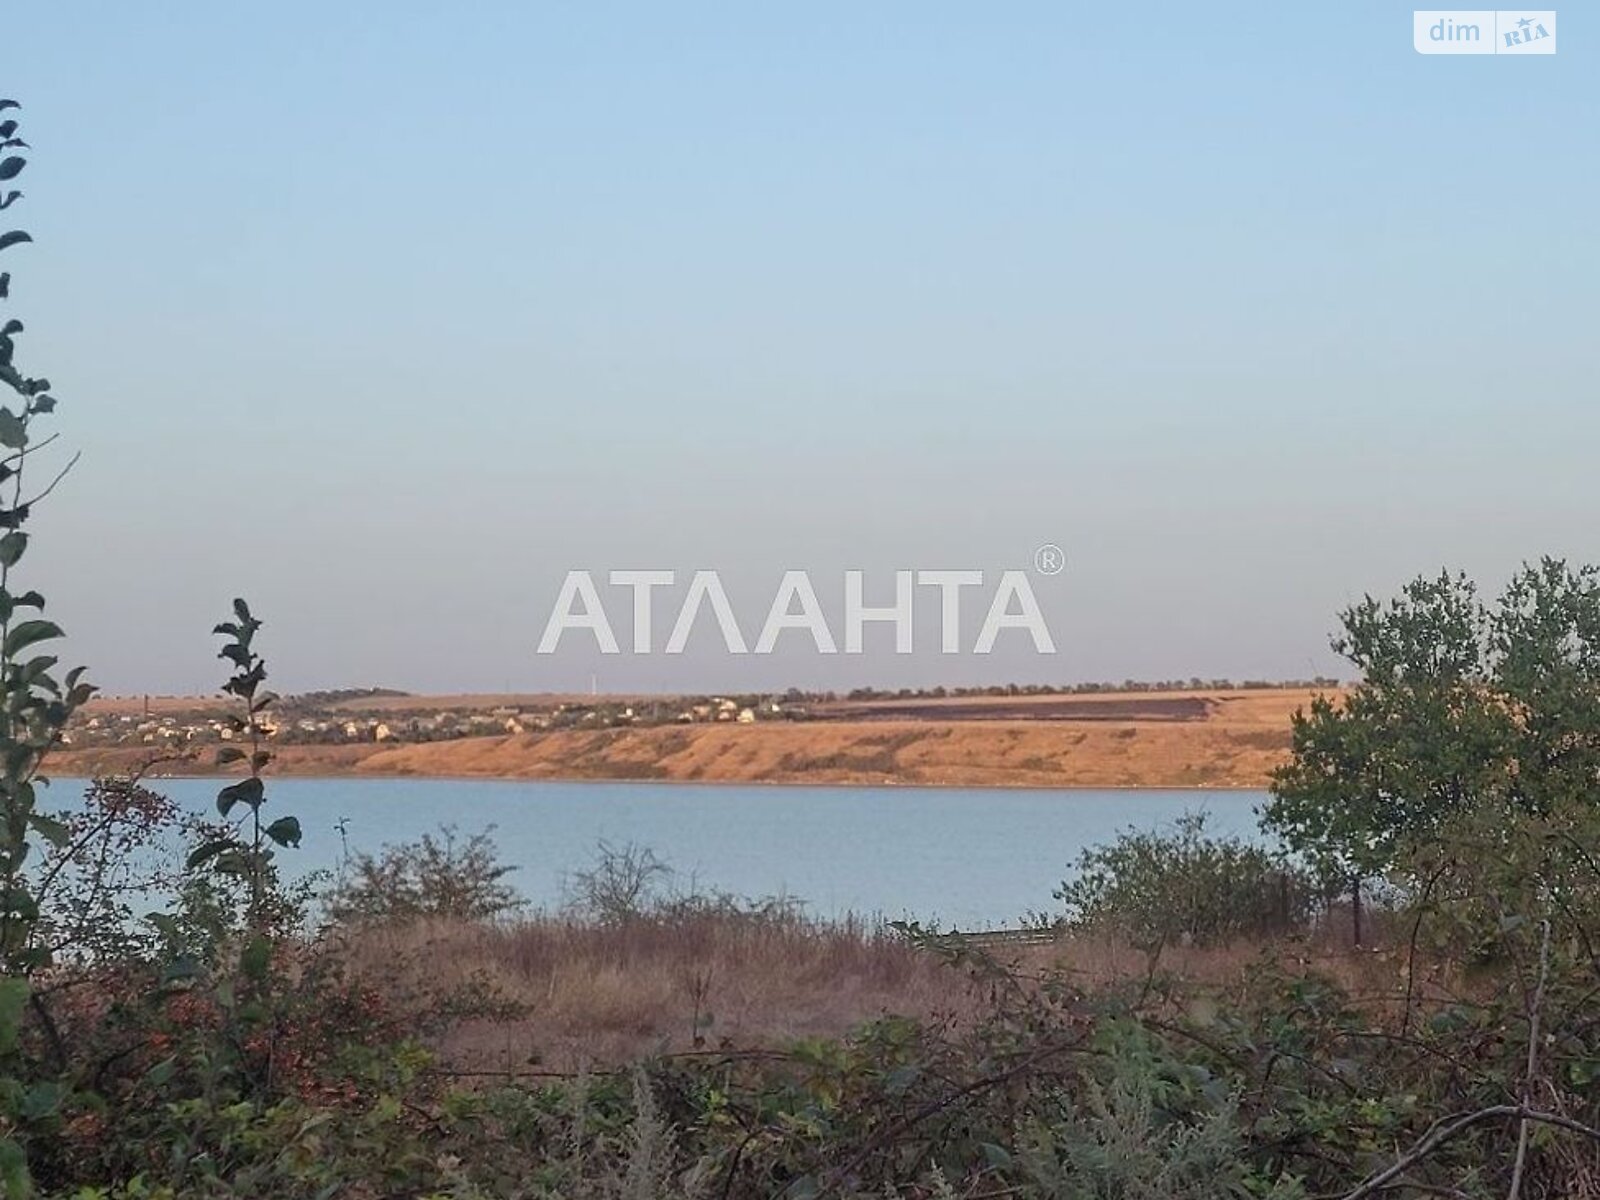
x,y
388,316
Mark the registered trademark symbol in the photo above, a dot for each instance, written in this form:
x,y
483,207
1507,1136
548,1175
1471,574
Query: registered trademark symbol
x,y
1049,559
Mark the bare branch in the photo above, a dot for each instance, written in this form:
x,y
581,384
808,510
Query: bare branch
x,y
31,448
1531,1073
60,475
1443,1133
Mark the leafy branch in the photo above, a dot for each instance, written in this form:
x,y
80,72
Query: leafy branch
x,y
250,857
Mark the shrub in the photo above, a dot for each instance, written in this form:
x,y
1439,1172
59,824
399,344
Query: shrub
x,y
93,887
622,883
1185,887
438,876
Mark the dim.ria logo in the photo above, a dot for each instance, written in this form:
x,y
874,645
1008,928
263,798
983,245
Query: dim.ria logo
x,y
1011,606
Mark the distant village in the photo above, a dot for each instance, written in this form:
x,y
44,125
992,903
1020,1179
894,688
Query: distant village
x,y
340,718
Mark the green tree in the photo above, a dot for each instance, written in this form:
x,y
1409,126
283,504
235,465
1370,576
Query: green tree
x,y
1545,639
34,705
1460,709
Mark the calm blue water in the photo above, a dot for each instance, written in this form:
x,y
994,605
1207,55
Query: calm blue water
x,y
968,858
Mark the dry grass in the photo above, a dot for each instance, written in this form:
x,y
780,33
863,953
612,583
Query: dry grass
x,y
593,994
607,993
1372,974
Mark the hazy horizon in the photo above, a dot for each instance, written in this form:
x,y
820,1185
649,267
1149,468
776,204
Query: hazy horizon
x,y
387,318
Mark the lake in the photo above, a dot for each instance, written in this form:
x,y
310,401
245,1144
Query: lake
x,y
970,858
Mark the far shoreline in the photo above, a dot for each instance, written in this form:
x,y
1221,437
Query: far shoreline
x,y
1220,742
270,777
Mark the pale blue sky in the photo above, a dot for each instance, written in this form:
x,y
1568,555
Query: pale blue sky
x,y
387,315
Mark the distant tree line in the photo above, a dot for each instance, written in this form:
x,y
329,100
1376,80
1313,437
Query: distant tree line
x,y
1193,684
334,696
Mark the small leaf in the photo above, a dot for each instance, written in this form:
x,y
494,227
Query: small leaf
x,y
18,902
28,633
11,547
229,754
51,830
12,167
247,791
13,430
207,852
14,238
285,831
41,1100
165,923
997,1156
234,862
